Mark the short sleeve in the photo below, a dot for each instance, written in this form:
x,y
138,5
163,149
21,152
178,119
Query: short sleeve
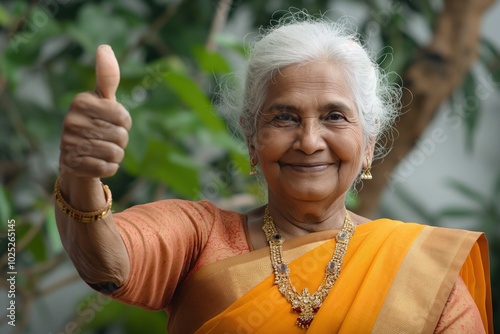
x,y
163,240
460,314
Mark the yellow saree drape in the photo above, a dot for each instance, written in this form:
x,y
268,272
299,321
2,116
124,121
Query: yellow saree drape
x,y
396,278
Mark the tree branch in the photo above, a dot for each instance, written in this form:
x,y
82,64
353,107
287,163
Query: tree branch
x,y
439,69
218,23
150,35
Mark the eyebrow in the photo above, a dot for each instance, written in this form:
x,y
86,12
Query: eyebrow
x,y
281,107
337,105
329,106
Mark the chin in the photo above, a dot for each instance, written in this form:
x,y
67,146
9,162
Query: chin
x,y
311,194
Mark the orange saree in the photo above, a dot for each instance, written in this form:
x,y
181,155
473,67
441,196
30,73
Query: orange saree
x,y
396,278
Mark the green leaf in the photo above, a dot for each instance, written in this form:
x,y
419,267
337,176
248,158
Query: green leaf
x,y
351,200
38,248
489,56
5,206
472,109
169,64
36,245
237,151
4,17
26,44
465,190
52,231
8,70
231,43
166,163
429,13
210,61
457,213
142,321
97,24
189,92
416,206
99,312
496,187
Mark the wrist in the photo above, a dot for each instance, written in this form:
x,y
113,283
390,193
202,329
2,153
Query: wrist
x,y
82,193
83,199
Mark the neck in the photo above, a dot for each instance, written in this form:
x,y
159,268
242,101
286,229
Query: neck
x,y
296,219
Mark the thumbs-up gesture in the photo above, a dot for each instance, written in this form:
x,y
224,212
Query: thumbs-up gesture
x,y
95,130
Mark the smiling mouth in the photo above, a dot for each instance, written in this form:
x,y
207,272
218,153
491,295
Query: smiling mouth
x,y
309,168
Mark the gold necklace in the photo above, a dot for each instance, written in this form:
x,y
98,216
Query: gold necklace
x,y
305,303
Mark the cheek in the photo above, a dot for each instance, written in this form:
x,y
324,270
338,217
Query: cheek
x,y
265,138
351,155
350,147
271,143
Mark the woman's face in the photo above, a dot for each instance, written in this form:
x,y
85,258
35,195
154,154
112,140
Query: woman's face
x,y
309,140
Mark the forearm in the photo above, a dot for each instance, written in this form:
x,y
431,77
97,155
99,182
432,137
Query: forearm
x,y
96,249
93,140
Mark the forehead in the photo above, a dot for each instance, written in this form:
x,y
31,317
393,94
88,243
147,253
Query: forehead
x,y
315,80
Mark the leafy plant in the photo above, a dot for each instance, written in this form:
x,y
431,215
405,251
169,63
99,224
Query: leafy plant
x,y
179,147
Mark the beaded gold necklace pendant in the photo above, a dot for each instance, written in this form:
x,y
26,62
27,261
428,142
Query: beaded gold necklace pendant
x,y
304,303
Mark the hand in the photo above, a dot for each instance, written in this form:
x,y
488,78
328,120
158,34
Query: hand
x,y
95,130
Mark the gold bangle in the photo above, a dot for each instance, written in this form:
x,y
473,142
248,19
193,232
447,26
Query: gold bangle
x,y
82,216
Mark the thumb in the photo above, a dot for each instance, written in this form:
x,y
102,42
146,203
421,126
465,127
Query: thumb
x,y
107,72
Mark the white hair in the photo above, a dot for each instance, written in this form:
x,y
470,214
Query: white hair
x,y
299,38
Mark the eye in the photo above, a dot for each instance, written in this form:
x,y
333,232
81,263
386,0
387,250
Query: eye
x,y
335,116
285,117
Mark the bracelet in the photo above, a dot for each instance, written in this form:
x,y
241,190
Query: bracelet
x,y
82,216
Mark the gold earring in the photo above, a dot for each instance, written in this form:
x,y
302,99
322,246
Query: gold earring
x,y
366,173
253,168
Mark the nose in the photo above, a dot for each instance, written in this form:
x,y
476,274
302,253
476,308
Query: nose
x,y
309,137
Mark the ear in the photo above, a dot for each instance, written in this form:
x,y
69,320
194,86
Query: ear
x,y
368,153
251,150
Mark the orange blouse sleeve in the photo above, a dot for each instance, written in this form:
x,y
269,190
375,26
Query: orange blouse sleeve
x,y
460,314
165,240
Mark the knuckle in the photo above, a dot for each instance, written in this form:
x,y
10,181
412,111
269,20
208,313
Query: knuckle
x,y
118,155
84,147
71,159
66,142
122,137
125,141
129,118
101,167
105,169
102,127
113,153
92,134
70,122
124,118
80,102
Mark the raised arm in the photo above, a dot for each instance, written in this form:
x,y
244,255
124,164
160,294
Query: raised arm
x,y
94,136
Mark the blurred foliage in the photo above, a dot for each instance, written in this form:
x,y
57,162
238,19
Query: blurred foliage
x,y
178,146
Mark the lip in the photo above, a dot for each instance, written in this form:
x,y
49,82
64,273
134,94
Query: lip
x,y
307,167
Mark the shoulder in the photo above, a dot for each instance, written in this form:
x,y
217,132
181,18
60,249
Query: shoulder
x,y
388,227
221,223
178,208
401,226
382,223
419,235
227,236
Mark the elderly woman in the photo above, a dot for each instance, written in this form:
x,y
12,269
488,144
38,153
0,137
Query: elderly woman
x,y
313,109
